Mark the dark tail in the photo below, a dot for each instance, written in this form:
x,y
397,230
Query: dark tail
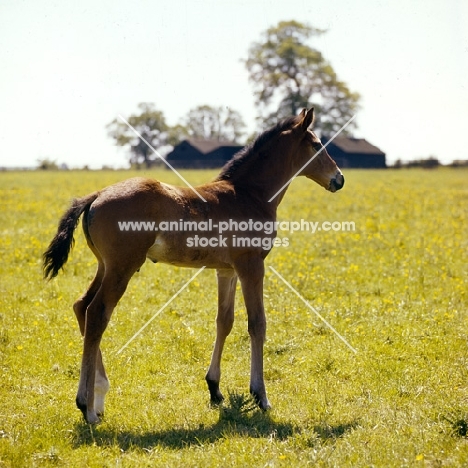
x,y
57,253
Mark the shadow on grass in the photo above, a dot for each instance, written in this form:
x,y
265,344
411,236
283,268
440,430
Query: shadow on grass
x,y
239,416
327,432
458,423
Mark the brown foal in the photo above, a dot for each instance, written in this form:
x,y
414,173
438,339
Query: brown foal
x,y
249,188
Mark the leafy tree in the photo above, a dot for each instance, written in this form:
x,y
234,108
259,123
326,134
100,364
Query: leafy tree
x,y
176,134
47,164
288,75
218,123
150,123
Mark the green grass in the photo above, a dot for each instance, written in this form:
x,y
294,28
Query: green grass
x,y
394,288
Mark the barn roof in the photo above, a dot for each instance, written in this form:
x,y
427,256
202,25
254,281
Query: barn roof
x,y
354,145
207,146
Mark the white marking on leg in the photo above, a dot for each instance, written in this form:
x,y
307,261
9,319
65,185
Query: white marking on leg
x,y
101,387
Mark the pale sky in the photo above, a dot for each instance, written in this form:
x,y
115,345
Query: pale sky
x,y
70,67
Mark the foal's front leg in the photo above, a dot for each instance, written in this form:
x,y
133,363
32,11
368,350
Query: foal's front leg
x,y
227,280
251,271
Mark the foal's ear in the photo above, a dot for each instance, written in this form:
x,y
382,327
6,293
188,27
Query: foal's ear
x,y
308,119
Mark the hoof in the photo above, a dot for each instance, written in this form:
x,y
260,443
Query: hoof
x,y
216,397
265,406
261,400
89,416
216,403
92,418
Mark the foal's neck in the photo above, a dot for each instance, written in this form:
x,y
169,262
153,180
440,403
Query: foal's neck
x,y
265,181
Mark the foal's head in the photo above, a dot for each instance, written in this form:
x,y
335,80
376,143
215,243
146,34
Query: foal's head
x,y
321,168
288,149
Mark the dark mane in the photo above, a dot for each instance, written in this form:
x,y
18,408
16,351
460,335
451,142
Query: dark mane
x,y
239,159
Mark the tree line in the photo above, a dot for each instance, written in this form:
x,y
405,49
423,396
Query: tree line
x,y
287,74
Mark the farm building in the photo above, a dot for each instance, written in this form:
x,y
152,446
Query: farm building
x,y
354,152
202,154
207,154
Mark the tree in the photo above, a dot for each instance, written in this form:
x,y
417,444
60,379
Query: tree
x,y
176,134
288,75
218,123
47,164
150,123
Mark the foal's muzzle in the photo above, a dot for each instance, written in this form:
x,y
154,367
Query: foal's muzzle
x,y
336,183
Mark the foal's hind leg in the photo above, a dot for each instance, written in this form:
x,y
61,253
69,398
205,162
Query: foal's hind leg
x,y
102,384
227,280
80,306
98,314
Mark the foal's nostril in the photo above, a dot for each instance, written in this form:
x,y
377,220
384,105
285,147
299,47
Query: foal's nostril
x,y
337,183
340,180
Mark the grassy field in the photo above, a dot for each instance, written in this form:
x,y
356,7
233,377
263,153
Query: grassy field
x,y
395,288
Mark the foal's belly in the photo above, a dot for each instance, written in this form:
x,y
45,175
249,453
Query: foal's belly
x,y
188,251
